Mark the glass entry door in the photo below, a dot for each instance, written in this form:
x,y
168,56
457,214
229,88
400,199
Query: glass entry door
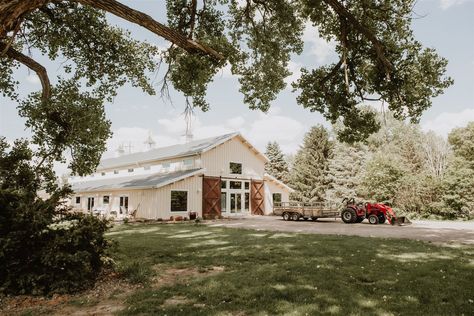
x,y
90,203
235,203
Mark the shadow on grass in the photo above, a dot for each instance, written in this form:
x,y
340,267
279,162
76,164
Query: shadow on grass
x,y
294,274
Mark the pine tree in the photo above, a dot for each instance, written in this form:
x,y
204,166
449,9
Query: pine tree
x,y
309,176
277,166
346,170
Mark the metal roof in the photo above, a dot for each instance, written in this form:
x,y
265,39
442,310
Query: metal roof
x,y
180,150
134,182
281,183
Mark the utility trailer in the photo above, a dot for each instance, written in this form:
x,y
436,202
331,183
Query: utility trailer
x,y
294,211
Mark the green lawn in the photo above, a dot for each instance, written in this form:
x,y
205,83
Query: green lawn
x,y
224,271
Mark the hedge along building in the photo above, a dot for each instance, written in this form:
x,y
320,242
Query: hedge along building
x,y
219,176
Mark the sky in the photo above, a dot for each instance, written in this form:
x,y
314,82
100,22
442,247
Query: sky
x,y
446,25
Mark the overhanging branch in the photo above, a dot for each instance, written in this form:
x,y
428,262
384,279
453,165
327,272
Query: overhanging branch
x,y
149,23
32,64
379,47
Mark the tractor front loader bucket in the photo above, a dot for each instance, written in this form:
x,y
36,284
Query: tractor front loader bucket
x,y
401,221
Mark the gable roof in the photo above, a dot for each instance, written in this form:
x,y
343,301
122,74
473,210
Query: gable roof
x,y
175,151
278,182
146,181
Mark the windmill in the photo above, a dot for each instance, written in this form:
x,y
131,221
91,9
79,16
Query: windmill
x,y
120,150
188,118
149,141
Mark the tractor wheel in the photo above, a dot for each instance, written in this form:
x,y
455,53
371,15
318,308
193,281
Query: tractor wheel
x,y
286,216
348,216
295,216
373,219
381,219
359,219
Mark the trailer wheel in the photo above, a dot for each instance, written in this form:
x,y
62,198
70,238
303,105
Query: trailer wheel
x,y
286,216
349,216
373,219
381,219
295,216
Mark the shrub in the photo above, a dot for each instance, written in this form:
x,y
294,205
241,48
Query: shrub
x,y
44,249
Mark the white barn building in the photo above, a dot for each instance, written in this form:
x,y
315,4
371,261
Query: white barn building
x,y
219,176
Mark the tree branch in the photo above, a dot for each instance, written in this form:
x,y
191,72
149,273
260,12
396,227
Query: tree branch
x,y
149,23
379,48
33,65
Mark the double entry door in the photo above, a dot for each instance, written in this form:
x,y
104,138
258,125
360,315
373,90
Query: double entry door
x,y
234,202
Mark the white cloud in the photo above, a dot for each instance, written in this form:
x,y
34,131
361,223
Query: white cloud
x,y
174,125
318,47
446,4
33,78
295,69
445,122
270,127
236,122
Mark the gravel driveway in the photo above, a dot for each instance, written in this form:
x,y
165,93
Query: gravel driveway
x,y
445,232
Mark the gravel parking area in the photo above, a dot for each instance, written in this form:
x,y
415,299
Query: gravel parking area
x,y
443,232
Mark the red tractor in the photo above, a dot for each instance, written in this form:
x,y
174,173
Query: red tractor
x,y
376,213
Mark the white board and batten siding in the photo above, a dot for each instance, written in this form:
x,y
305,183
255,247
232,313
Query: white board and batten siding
x,y
151,203
271,187
216,161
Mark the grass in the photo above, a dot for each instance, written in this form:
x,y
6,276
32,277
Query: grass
x,y
270,273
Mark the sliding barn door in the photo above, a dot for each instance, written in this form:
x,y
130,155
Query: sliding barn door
x,y
257,197
211,197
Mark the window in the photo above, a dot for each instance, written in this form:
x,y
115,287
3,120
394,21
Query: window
x,y
235,185
223,202
235,168
102,173
78,200
166,165
187,162
276,197
130,170
247,198
223,184
105,199
247,185
115,171
179,201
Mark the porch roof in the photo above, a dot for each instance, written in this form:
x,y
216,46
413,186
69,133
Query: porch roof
x,y
146,181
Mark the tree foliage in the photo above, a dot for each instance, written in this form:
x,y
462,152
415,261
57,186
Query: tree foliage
x,y
43,248
309,174
459,180
277,166
378,56
345,170
417,172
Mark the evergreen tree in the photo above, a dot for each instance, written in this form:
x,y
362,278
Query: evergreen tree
x,y
309,176
345,170
277,166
